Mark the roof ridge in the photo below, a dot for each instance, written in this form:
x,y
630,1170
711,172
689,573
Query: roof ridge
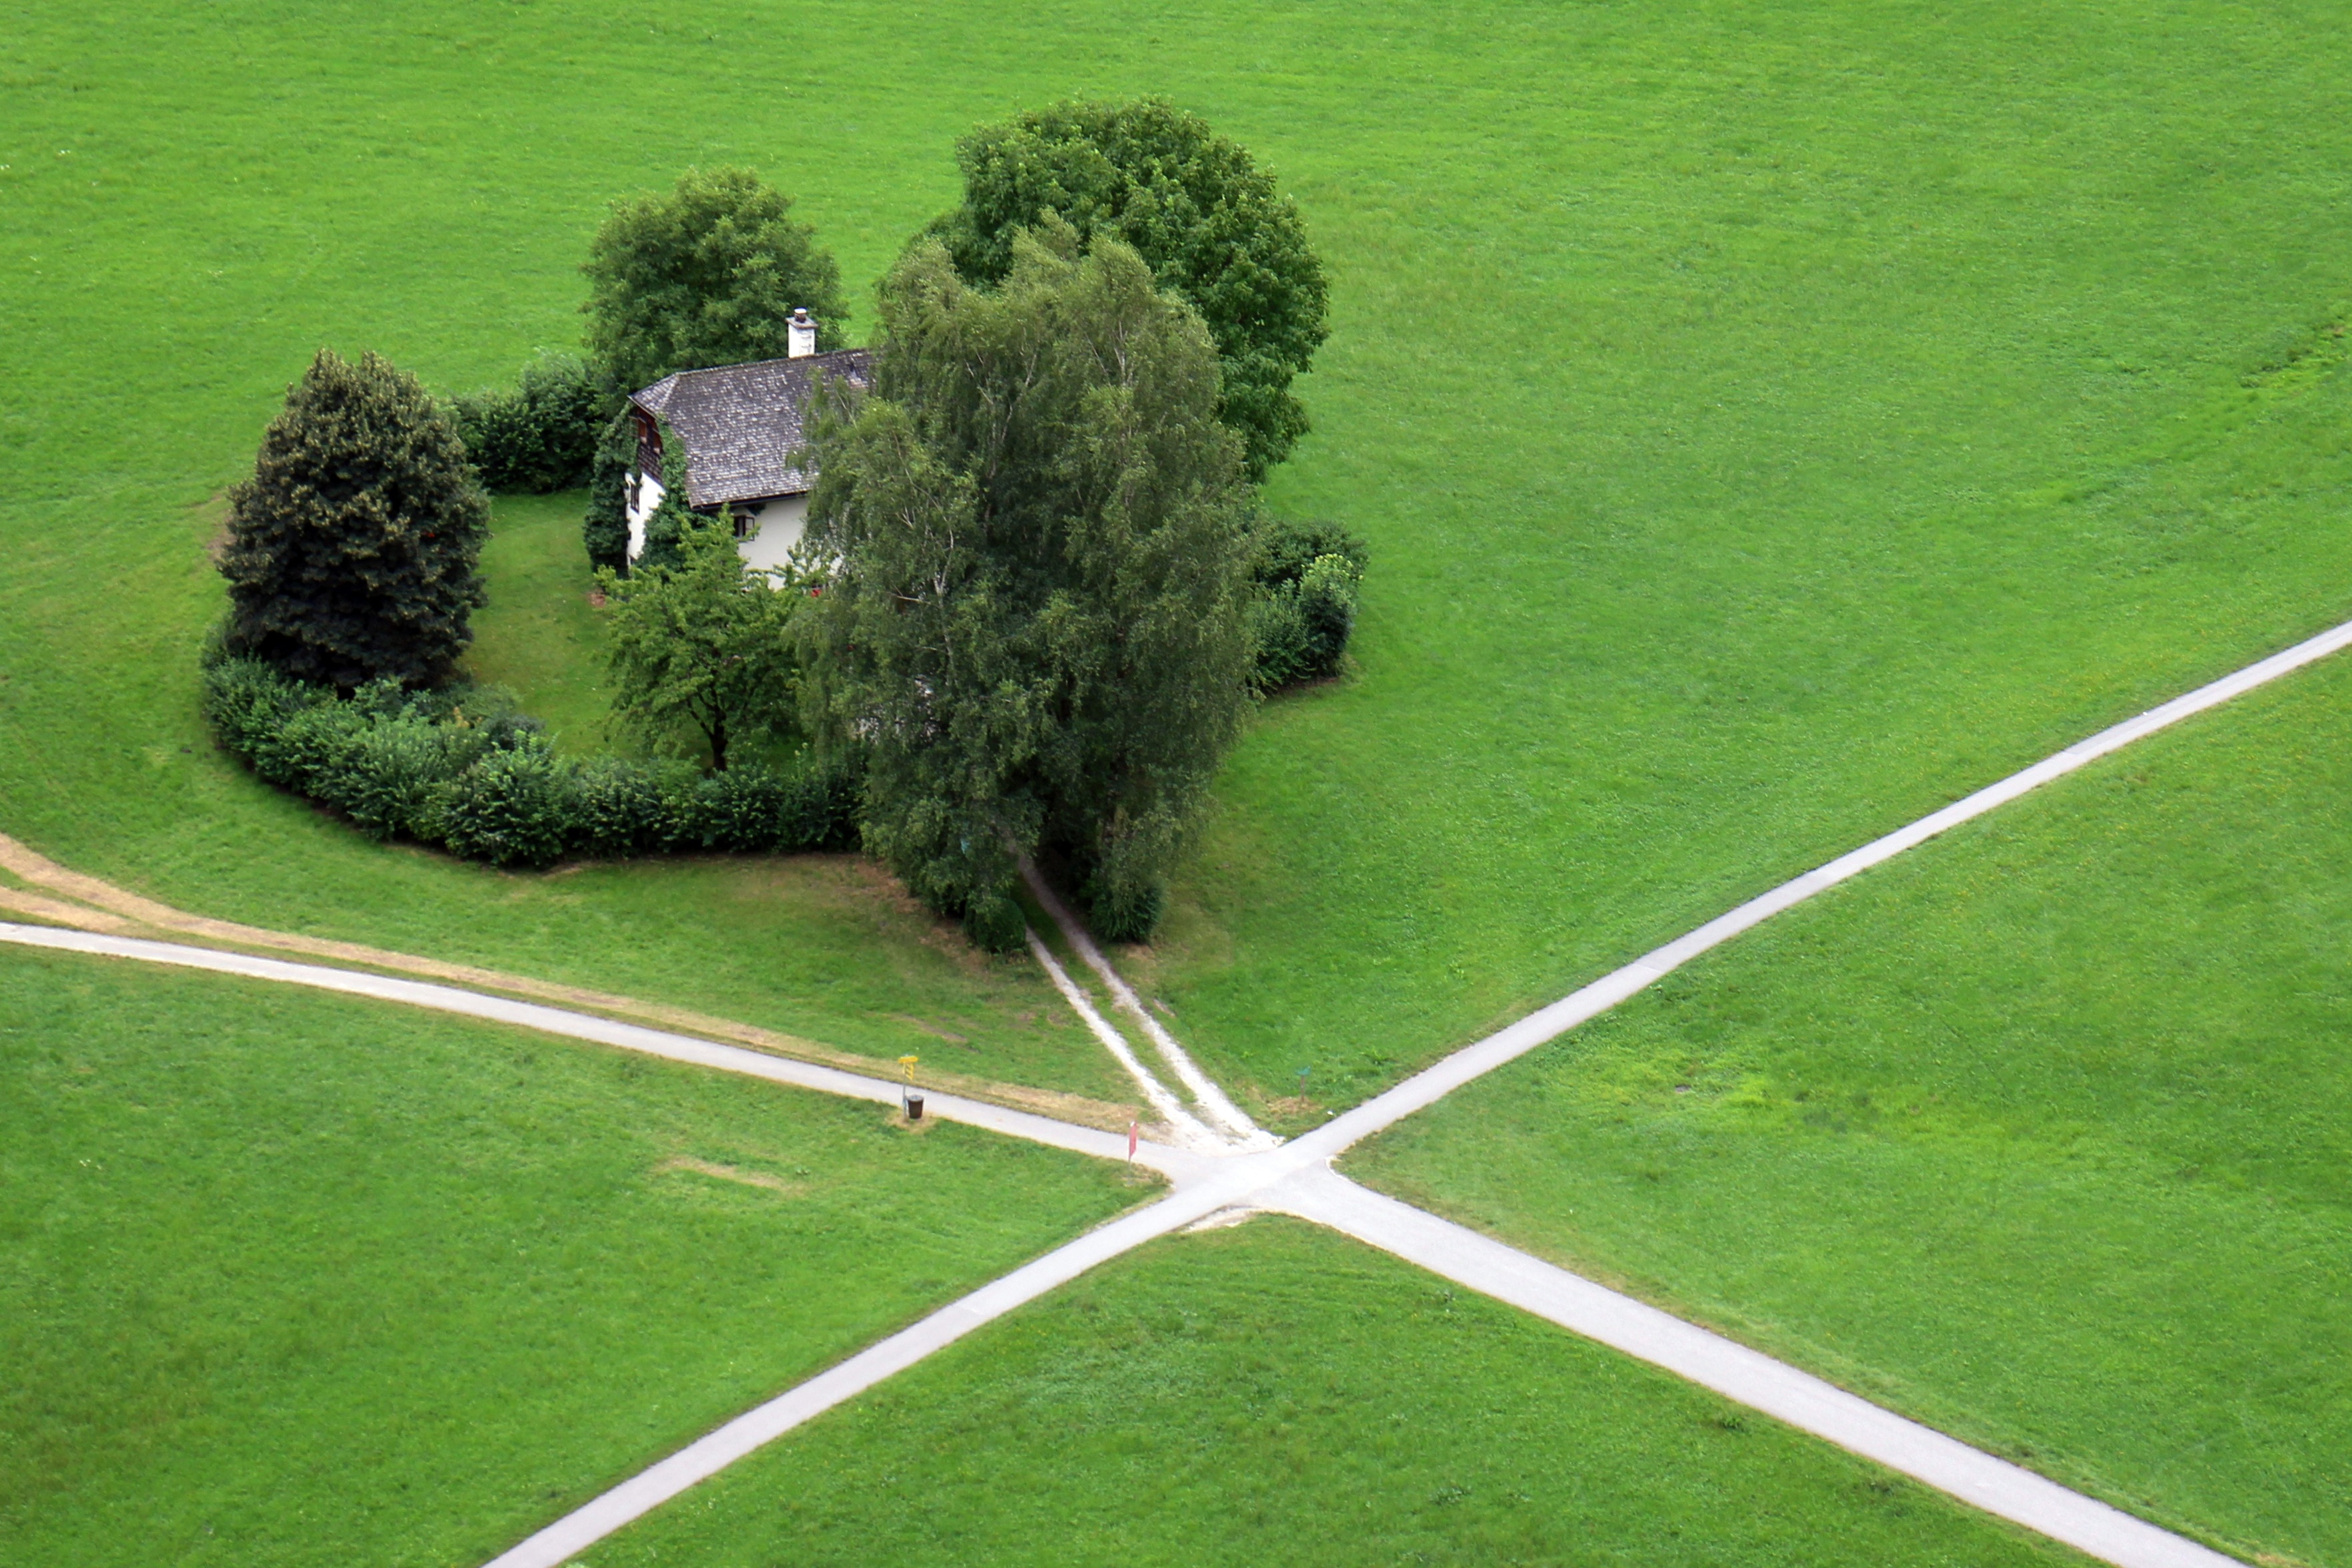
x,y
743,424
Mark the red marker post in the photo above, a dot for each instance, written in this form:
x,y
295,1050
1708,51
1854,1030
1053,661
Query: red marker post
x,y
1130,1143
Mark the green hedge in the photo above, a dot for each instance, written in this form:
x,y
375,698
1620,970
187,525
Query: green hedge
x,y
461,768
540,437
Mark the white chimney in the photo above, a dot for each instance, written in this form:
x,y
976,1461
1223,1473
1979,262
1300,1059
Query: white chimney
x,y
803,335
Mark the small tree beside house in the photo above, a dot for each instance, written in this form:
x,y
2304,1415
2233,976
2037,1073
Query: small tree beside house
x,y
352,551
704,645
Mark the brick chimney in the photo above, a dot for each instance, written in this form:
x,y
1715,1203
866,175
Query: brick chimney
x,y
803,335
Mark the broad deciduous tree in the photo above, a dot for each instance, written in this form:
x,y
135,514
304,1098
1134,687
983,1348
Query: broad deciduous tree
x,y
708,274
351,549
1032,616
1194,205
704,645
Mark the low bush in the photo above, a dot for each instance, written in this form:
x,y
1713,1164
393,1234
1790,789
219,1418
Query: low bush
x,y
461,768
540,437
1306,575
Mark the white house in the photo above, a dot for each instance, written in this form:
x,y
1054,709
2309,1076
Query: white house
x,y
741,426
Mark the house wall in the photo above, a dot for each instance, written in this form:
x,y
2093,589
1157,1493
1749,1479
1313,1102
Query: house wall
x,y
645,496
773,531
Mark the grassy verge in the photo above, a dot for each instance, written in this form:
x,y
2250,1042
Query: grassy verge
x,y
289,1278
2038,1133
1277,1395
538,635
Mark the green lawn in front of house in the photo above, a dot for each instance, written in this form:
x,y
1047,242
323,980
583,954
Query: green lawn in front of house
x,y
539,636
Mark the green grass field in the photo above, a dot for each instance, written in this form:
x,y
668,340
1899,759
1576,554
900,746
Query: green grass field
x,y
1277,1395
2039,1133
538,635
1769,422
288,1278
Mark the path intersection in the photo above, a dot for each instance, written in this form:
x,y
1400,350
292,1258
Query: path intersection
x,y
1217,1162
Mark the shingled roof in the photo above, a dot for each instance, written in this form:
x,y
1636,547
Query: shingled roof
x,y
741,424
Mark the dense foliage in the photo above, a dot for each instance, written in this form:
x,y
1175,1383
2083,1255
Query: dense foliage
x,y
542,435
671,520
351,549
1306,575
1198,209
705,645
708,274
1051,596
460,767
1033,623
605,531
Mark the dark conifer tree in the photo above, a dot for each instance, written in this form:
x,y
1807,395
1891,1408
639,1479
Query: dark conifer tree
x,y
351,549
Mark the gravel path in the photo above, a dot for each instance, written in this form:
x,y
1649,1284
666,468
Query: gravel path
x,y
1297,1178
1174,1163
1485,1265
1238,1133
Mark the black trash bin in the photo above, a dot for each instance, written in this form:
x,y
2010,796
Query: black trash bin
x,y
914,1105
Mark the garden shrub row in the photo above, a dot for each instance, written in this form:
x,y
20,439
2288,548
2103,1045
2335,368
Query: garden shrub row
x,y
460,767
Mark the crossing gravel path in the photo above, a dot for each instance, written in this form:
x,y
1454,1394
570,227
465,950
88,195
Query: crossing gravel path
x,y
1297,1178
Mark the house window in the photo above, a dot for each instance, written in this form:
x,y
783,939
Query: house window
x,y
649,451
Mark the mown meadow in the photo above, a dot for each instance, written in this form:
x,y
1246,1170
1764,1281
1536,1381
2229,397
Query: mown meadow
x,y
294,1278
1275,1394
2038,1133
1769,422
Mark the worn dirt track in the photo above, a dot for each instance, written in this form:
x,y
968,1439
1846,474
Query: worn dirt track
x,y
59,896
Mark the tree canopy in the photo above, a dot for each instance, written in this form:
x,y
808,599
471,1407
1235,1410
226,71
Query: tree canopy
x,y
707,275
1209,223
1032,622
705,644
351,549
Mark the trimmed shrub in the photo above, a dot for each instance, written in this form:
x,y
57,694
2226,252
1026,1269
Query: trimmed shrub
x,y
540,437
305,754
671,520
1301,628
819,810
757,808
1306,577
1285,550
1124,911
620,808
604,531
460,768
509,808
247,702
392,772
